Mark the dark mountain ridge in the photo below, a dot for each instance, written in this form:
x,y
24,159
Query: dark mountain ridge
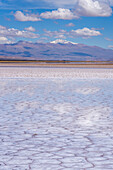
x,y
51,51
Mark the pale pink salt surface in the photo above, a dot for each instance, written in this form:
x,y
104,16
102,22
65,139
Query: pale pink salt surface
x,y
56,119
55,72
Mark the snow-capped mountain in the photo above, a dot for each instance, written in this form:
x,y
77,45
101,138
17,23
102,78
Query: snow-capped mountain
x,y
61,41
56,50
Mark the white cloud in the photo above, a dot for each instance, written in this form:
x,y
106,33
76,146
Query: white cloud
x,y
2,27
80,8
111,2
45,4
71,3
85,32
28,17
60,13
56,34
70,25
92,8
12,33
30,29
60,36
4,40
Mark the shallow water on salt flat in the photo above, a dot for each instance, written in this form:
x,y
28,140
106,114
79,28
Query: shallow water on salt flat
x,y
56,123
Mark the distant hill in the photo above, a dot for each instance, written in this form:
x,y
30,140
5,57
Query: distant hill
x,y
56,50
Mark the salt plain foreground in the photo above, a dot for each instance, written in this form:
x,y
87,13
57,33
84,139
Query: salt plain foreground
x,y
53,118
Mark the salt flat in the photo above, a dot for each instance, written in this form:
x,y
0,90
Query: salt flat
x,y
52,72
56,118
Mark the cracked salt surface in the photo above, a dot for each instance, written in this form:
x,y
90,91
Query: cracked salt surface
x,y
56,123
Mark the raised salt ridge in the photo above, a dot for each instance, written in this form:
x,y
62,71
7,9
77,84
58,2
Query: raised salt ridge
x,y
55,72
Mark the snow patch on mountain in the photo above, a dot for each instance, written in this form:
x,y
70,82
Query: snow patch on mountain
x,y
62,42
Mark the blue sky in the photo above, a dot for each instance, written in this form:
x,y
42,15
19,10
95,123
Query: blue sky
x,y
81,21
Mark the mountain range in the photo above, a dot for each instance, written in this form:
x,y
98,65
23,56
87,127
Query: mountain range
x,y
55,50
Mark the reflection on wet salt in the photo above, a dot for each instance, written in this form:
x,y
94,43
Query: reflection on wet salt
x,y
85,90
91,116
60,108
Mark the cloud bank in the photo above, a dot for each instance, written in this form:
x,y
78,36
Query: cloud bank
x,y
4,40
82,8
84,33
92,8
60,13
47,4
28,17
11,33
30,29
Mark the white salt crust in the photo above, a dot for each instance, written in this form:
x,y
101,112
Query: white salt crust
x,y
19,72
59,119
